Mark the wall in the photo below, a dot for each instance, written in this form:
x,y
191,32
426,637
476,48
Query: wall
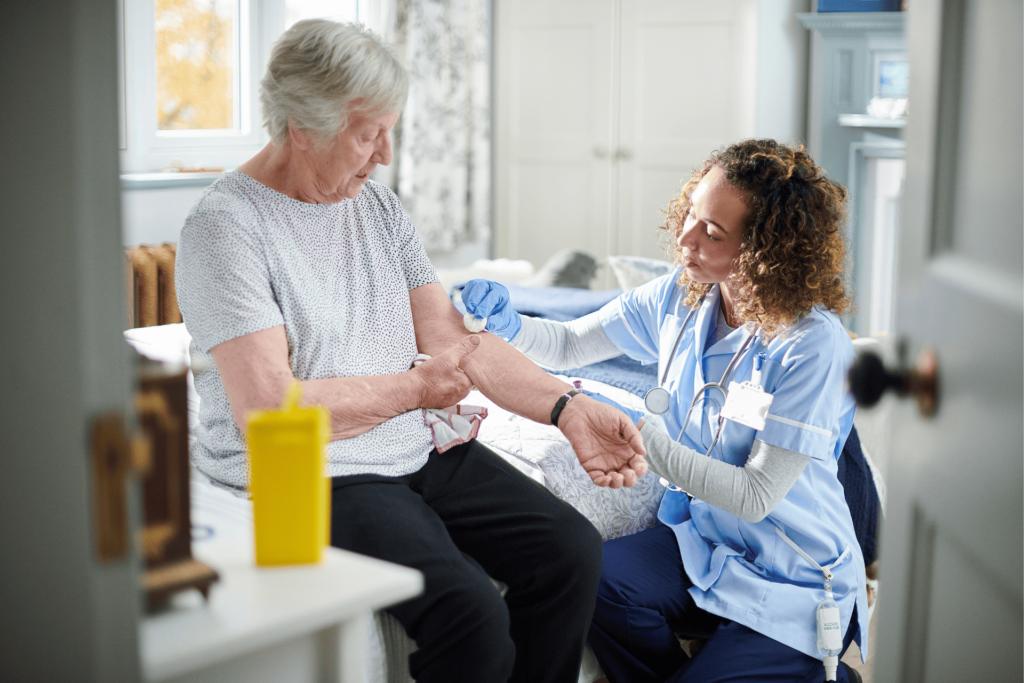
x,y
781,85
155,216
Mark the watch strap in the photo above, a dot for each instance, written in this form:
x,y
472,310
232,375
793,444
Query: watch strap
x,y
560,405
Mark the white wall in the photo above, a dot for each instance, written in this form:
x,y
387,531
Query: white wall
x,y
782,53
155,216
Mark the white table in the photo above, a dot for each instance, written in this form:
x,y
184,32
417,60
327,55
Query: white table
x,y
294,624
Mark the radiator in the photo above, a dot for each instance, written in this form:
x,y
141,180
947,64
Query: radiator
x,y
150,287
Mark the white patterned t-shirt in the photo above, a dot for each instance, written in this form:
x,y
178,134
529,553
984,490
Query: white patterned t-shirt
x,y
337,276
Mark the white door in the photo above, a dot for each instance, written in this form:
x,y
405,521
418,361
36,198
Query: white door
x,y
951,559
688,87
553,126
64,614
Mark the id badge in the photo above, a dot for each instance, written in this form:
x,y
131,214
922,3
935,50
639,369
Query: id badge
x,y
747,404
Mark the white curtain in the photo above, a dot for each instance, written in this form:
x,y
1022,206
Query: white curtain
x,y
443,148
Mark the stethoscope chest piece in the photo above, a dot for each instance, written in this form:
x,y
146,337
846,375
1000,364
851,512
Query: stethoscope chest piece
x,y
657,401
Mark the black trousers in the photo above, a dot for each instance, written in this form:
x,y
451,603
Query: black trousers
x,y
467,515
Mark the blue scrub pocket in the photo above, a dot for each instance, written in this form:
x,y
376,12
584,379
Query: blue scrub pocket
x,y
674,508
771,371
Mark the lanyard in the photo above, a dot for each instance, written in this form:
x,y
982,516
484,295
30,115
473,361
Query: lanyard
x,y
829,637
826,570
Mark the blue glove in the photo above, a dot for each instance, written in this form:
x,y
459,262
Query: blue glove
x,y
487,299
634,415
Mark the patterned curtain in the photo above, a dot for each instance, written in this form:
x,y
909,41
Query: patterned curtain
x,y
443,146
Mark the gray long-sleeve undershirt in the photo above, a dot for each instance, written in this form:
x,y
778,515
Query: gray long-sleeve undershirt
x,y
749,492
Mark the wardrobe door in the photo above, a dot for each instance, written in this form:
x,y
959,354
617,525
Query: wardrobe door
x,y
676,56
553,127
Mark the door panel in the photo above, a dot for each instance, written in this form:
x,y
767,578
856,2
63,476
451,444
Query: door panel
x,y
553,127
952,558
676,56
552,219
989,119
967,617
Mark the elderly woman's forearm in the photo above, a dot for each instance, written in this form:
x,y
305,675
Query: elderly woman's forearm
x,y
512,380
358,404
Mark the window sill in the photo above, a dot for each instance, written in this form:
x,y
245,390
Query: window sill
x,y
864,121
162,181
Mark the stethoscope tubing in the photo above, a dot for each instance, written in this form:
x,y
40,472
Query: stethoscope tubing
x,y
699,396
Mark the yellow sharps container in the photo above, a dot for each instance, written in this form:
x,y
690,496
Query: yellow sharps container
x,y
290,492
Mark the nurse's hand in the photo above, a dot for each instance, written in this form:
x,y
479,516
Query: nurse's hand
x,y
607,444
490,300
636,416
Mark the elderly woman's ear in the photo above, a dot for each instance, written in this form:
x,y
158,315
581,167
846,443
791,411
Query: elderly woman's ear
x,y
299,137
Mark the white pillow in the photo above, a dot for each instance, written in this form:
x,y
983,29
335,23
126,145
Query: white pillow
x,y
167,343
633,271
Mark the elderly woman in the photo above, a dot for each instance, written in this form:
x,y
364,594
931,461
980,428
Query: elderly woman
x,y
297,266
755,548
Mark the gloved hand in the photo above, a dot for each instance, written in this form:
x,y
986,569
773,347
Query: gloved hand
x,y
487,299
634,415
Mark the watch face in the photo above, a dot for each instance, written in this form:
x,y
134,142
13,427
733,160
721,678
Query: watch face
x,y
656,401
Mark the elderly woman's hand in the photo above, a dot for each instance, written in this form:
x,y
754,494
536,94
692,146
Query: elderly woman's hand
x,y
607,443
441,381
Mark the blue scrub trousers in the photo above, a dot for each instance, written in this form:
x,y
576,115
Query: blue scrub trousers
x,y
642,602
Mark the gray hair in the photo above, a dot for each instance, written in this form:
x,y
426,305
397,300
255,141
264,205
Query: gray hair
x,y
318,70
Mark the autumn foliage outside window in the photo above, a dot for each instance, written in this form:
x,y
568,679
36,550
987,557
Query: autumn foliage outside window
x,y
197,64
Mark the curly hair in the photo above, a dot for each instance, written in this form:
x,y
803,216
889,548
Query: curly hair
x,y
793,250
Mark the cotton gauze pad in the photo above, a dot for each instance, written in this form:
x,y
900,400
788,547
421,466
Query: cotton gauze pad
x,y
474,324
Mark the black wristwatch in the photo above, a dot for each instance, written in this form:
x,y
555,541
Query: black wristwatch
x,y
560,404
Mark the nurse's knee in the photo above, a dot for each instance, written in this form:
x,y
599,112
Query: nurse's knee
x,y
618,568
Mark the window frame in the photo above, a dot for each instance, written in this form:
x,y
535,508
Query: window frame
x,y
143,148
147,149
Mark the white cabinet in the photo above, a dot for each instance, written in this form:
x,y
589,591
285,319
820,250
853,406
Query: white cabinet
x,y
603,108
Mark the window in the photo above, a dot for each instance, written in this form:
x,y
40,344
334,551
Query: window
x,y
191,71
198,65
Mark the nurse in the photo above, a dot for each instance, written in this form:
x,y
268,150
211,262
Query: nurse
x,y
754,533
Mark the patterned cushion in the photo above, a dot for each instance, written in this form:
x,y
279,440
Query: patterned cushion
x,y
633,271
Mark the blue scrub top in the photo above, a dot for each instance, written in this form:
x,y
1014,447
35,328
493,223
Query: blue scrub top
x,y
744,571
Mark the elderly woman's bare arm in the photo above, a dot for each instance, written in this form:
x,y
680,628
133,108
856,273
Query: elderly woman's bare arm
x,y
255,372
607,444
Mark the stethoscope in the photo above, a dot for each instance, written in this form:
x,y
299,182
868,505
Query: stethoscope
x,y
657,399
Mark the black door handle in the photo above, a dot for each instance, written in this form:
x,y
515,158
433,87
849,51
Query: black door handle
x,y
870,379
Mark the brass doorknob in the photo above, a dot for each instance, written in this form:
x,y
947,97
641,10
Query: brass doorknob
x,y
869,379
